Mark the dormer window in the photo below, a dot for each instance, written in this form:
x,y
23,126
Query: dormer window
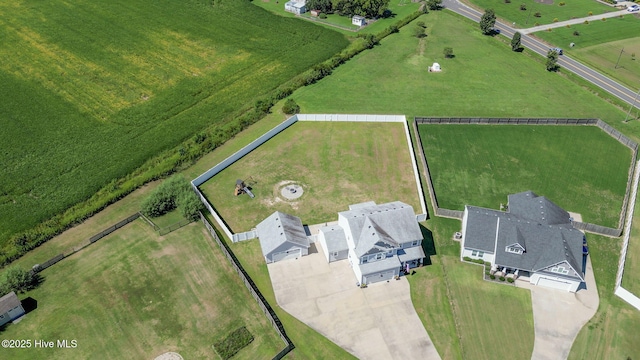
x,y
514,250
560,270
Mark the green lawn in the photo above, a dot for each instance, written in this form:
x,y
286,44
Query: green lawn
x,y
485,78
337,164
548,12
582,169
92,90
599,44
134,294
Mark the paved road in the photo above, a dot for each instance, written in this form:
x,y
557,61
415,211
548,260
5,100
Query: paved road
x,y
609,85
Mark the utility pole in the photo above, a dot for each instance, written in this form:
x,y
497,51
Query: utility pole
x,y
619,56
632,105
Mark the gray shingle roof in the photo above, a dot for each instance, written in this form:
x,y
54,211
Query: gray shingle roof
x,y
378,227
8,302
538,225
279,228
389,263
334,238
411,253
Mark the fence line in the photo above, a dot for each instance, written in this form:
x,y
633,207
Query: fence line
x,y
91,240
253,289
425,167
608,129
452,214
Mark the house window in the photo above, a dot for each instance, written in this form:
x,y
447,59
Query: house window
x,y
365,259
378,256
335,254
477,253
514,250
560,270
415,242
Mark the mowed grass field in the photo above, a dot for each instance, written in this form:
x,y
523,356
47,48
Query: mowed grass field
x,y
336,163
580,168
548,12
485,79
92,90
136,295
612,46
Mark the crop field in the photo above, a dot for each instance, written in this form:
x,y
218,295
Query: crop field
x,y
92,90
134,294
582,169
612,46
337,164
548,12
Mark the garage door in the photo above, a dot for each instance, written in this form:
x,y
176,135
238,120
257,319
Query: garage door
x,y
381,276
289,254
556,284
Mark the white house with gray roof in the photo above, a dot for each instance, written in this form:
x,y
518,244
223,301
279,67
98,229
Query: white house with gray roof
x,y
382,240
333,242
534,239
282,236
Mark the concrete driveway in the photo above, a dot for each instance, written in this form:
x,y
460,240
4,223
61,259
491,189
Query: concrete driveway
x,y
558,316
378,322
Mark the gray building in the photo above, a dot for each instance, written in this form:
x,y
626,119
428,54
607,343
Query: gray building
x,y
282,236
10,308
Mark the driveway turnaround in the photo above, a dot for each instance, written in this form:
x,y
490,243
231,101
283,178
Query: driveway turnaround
x,y
558,316
377,322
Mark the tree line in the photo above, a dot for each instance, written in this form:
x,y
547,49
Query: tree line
x,y
366,8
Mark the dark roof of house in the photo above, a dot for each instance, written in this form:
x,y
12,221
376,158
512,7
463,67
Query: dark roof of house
x,y
279,228
536,208
534,223
380,227
8,302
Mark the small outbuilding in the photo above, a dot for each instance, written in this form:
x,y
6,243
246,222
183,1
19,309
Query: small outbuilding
x,y
435,67
315,13
358,20
282,236
10,308
334,243
296,6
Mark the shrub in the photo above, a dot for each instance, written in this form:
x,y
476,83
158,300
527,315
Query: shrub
x,y
466,258
421,24
173,193
322,16
523,7
487,264
537,14
562,3
501,278
555,19
492,277
590,13
507,1
290,107
568,26
586,22
536,24
510,280
233,343
18,280
448,52
576,33
604,19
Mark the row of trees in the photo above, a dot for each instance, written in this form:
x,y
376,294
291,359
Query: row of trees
x,y
173,193
487,23
18,280
366,8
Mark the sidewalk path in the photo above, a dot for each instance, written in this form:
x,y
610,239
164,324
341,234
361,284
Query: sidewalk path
x,y
574,21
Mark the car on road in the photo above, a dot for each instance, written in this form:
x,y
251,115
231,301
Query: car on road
x,y
633,8
558,50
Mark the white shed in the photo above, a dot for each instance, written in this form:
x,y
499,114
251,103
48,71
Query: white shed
x,y
358,20
296,7
333,242
435,67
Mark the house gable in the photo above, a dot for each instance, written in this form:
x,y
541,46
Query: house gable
x,y
280,232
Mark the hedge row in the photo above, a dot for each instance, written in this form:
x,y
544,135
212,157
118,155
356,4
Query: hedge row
x,y
186,154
